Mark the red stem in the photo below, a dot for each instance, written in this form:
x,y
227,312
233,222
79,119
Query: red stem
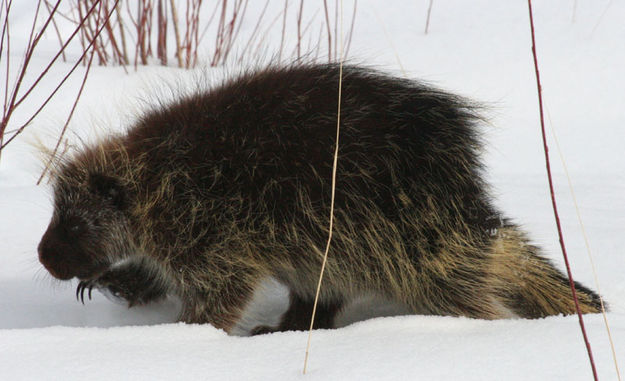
x,y
553,200
82,87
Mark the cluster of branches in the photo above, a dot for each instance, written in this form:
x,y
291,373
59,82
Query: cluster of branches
x,y
138,31
141,32
16,91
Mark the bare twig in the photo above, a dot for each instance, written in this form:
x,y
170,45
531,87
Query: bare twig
x,y
161,47
56,27
300,13
427,20
122,34
71,113
174,18
239,24
6,5
553,199
11,102
254,31
348,43
119,54
329,32
210,20
227,31
588,251
286,11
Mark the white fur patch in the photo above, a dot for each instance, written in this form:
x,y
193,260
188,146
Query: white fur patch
x,y
269,302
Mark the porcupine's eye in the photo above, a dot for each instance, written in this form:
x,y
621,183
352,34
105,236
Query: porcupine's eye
x,y
109,188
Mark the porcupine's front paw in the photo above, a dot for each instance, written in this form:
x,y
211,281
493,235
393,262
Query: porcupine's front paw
x,y
131,284
108,286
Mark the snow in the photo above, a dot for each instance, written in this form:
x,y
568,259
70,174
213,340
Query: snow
x,y
384,349
480,49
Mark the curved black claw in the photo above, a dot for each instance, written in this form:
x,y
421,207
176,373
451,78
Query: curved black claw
x,y
80,290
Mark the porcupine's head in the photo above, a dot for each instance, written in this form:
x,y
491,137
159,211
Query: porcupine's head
x,y
89,229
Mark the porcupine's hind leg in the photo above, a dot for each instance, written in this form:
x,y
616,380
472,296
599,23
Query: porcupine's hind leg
x,y
298,315
528,284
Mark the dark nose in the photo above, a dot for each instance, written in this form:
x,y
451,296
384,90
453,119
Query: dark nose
x,y
45,258
47,254
42,248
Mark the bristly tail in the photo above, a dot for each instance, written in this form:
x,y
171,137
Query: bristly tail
x,y
529,285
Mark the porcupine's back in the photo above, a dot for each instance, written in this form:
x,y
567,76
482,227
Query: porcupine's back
x,y
249,164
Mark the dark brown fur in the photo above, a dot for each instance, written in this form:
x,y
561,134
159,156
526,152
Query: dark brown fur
x,y
208,196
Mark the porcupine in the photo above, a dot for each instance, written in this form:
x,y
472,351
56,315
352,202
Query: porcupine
x,y
206,197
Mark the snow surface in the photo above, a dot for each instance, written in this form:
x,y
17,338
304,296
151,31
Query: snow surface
x,y
480,49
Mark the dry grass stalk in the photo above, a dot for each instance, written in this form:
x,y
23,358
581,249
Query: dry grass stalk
x,y
333,188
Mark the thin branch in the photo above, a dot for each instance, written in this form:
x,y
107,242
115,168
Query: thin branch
x,y
286,9
254,31
45,71
174,17
122,34
210,20
300,12
56,28
588,250
427,20
239,24
553,199
329,32
6,32
351,30
71,113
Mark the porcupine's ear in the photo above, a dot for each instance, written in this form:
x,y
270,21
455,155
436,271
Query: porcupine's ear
x,y
109,188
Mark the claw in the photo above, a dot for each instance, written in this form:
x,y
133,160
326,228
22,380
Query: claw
x,y
80,290
82,294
